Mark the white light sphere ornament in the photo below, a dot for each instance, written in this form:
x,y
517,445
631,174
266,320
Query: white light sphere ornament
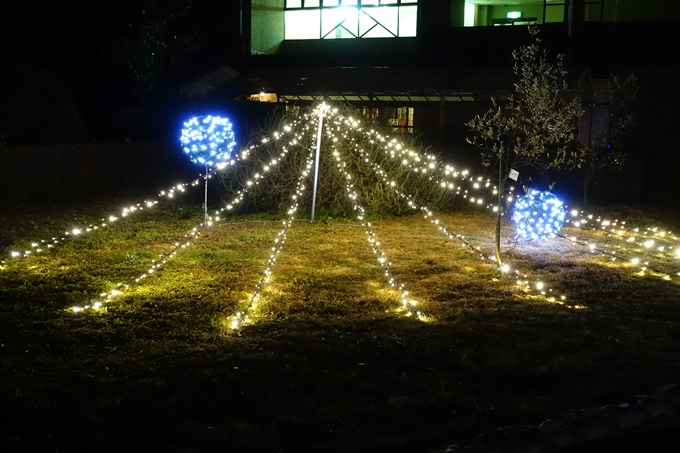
x,y
538,215
208,140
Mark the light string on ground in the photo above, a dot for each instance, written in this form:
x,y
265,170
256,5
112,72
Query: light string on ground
x,y
585,220
522,279
382,259
156,264
642,266
523,283
41,246
644,238
243,317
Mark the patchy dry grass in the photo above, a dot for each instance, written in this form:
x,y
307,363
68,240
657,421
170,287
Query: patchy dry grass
x,y
331,362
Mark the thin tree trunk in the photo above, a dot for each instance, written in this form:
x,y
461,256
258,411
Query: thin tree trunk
x,y
497,239
585,194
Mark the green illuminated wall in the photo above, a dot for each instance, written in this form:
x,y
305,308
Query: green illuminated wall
x,y
485,13
641,10
267,25
501,11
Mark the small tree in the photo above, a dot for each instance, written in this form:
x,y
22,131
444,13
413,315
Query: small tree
x,y
606,147
533,128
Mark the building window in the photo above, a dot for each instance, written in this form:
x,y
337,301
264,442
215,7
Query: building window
x,y
372,114
401,119
470,15
555,11
593,10
480,13
346,19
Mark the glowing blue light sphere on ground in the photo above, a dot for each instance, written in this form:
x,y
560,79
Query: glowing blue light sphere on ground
x,y
538,215
208,140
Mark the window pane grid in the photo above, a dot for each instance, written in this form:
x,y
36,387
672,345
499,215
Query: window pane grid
x,y
347,19
298,4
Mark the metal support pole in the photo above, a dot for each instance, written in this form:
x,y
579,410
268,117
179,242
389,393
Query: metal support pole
x,y
205,201
316,162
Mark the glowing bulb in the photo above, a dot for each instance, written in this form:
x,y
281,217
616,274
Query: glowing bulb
x,y
208,140
538,215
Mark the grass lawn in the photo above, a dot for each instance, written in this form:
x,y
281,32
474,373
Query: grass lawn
x,y
331,362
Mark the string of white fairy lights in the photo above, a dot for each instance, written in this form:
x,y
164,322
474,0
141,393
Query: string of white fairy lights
x,y
645,238
642,266
164,258
522,279
441,173
243,317
477,183
47,244
589,221
267,167
156,265
382,258
420,163
638,263
42,245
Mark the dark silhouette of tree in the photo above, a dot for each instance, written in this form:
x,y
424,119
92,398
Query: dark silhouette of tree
x,y
606,148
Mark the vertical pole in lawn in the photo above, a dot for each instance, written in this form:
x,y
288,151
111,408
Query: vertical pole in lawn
x,y
205,201
316,162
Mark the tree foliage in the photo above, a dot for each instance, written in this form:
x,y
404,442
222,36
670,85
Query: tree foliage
x,y
148,46
534,127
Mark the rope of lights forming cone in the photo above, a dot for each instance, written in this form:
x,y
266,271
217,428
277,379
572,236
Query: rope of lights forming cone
x,y
165,257
45,244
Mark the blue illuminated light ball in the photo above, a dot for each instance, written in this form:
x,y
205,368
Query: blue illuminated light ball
x,y
538,215
208,140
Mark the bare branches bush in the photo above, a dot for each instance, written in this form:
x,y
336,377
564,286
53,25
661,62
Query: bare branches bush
x,y
272,193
